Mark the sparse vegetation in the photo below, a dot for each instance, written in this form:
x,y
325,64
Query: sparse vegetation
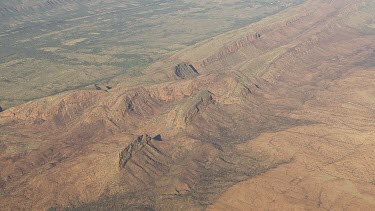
x,y
275,115
68,49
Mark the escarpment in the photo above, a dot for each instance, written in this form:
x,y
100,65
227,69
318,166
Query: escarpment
x,y
284,104
232,48
136,102
143,159
136,146
193,105
59,109
272,36
186,71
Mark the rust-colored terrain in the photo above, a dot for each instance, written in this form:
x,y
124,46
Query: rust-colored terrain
x,y
277,115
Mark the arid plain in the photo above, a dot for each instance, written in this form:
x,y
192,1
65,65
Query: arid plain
x,y
48,47
276,115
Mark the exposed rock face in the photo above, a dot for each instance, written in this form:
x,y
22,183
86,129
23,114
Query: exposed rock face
x,y
187,110
97,87
136,146
232,48
59,109
143,161
158,137
186,71
139,102
282,119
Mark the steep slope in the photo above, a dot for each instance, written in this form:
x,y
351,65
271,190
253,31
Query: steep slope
x,y
276,115
184,70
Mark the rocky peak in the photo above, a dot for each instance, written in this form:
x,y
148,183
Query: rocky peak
x,y
191,107
136,146
186,71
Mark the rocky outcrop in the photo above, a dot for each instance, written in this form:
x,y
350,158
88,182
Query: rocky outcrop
x,y
136,146
138,102
97,87
142,141
59,108
232,48
187,110
186,71
1,109
217,130
144,160
158,138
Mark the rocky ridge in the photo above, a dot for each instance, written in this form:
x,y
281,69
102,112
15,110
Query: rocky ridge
x,y
272,103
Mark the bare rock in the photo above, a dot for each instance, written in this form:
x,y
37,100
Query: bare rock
x,y
186,71
158,137
136,146
97,87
